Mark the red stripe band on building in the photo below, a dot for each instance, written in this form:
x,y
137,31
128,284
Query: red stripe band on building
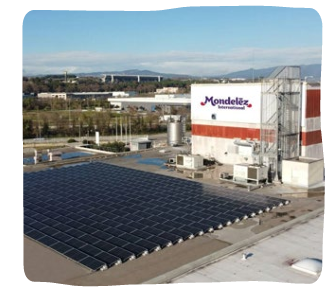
x,y
313,104
310,138
225,132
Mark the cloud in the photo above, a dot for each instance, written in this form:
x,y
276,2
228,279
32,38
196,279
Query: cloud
x,y
179,62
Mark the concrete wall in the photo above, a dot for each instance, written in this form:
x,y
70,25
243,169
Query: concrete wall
x,y
303,174
316,172
313,151
222,149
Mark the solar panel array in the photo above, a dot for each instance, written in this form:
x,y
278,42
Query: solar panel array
x,y
101,215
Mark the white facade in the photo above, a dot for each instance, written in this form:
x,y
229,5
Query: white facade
x,y
120,94
149,104
228,102
226,121
222,149
314,150
224,114
52,95
172,96
170,90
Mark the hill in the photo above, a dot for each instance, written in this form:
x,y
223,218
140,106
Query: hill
x,y
136,72
313,70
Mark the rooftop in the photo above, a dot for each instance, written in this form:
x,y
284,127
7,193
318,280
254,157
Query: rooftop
x,y
148,100
159,264
268,260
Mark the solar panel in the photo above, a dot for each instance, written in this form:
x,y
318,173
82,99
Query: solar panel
x,y
76,243
121,253
175,239
76,255
49,231
62,236
75,233
89,239
152,247
48,241
27,229
61,247
91,250
130,238
109,259
117,241
128,215
92,263
104,245
136,250
162,242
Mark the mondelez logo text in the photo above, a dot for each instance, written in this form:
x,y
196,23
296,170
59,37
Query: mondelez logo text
x,y
228,103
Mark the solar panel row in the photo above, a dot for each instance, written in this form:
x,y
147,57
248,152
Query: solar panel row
x,y
101,215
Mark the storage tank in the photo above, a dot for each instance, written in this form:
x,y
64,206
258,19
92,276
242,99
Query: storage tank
x,y
174,132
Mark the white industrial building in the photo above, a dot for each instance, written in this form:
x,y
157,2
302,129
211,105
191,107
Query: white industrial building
x,y
149,103
52,95
167,90
226,121
257,123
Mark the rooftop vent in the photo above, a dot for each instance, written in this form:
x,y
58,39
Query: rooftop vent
x,y
309,265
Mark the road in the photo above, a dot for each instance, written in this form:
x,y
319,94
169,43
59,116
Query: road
x,y
161,136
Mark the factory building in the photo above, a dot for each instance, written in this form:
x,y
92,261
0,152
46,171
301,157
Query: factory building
x,y
87,95
164,101
97,95
115,78
52,96
226,121
262,122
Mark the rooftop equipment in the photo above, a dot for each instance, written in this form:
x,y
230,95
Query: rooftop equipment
x,y
175,131
280,118
309,265
140,144
250,173
189,161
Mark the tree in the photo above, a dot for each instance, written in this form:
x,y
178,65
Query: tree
x,y
28,129
115,146
45,129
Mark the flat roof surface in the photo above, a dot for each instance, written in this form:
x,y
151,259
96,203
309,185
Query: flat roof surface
x,y
43,264
269,260
152,100
100,214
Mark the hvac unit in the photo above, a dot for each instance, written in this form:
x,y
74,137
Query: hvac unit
x,y
250,173
224,175
189,161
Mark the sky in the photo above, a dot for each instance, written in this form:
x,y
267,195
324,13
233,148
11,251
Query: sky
x,y
198,41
